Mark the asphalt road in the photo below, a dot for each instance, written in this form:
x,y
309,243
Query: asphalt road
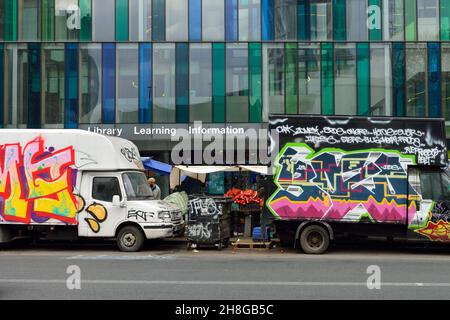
x,y
165,270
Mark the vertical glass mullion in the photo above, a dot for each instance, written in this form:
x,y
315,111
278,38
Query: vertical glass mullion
x,y
434,80
445,19
145,83
195,20
231,20
410,20
108,83
327,79
339,20
122,20
398,78
377,33
48,20
86,20
267,14
182,82
34,85
363,78
291,83
71,101
255,87
158,20
218,82
303,20
11,20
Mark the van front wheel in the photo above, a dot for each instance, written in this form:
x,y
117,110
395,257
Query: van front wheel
x,y
314,240
130,239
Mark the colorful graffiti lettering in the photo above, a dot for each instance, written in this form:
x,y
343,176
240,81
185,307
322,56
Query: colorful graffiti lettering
x,y
439,231
36,183
364,185
98,213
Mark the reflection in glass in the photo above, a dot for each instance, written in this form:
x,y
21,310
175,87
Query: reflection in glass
x,y
393,19
164,82
213,20
140,20
53,80
428,19
237,82
345,79
127,103
249,20
103,20
356,20
273,79
67,19
416,54
177,20
29,20
285,17
380,80
90,83
200,73
309,78
16,85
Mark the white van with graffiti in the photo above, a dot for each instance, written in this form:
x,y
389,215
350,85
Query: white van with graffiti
x,y
70,184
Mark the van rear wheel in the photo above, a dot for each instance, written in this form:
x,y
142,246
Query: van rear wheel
x,y
130,239
314,240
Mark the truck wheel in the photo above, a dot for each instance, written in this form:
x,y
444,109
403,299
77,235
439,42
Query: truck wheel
x,y
130,239
314,240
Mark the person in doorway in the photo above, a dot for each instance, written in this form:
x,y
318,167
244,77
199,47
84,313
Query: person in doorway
x,y
155,188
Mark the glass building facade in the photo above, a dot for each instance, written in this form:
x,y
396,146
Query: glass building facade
x,y
68,63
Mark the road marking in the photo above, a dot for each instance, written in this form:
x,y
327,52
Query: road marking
x,y
233,283
124,257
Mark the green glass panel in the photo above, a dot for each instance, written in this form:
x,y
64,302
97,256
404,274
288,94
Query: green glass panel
x,y
327,79
11,20
375,34
291,79
48,20
255,82
410,20
445,19
363,78
218,82
121,20
86,20
339,20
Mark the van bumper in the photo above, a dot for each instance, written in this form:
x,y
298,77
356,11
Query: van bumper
x,y
153,231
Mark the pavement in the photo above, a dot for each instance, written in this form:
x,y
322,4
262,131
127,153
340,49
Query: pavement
x,y
166,270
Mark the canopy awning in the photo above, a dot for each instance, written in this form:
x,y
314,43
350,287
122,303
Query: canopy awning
x,y
157,166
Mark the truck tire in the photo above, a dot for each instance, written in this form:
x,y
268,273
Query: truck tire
x,y
130,239
314,239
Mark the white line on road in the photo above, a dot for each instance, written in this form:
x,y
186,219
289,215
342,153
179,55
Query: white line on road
x,y
233,283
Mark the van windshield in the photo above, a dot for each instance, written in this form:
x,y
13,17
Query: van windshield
x,y
136,186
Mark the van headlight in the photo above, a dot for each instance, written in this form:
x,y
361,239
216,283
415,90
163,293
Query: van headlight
x,y
164,215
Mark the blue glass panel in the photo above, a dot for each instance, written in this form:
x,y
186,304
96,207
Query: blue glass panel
x,y
267,19
195,20
145,83
303,20
109,85
182,82
231,20
434,79
34,84
1,87
71,103
159,20
398,78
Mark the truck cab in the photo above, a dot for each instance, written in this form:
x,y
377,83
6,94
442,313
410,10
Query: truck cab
x,y
77,184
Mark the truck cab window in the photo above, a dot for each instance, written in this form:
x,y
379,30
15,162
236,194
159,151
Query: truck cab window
x,y
104,188
435,185
136,186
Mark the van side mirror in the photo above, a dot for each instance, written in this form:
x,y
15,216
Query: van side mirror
x,y
116,200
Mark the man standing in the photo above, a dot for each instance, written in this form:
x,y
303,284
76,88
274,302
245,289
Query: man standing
x,y
155,189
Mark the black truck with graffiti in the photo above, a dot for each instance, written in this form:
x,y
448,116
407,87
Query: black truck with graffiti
x,y
344,176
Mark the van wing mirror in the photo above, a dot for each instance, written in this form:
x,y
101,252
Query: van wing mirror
x,y
116,200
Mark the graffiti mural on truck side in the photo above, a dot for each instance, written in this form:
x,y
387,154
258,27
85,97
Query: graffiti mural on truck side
x,y
364,185
36,183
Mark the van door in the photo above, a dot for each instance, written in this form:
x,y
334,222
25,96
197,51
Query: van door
x,y
100,215
429,204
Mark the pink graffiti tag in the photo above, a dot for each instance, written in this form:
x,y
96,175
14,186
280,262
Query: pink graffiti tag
x,y
36,181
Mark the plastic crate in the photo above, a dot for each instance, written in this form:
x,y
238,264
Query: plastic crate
x,y
257,234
